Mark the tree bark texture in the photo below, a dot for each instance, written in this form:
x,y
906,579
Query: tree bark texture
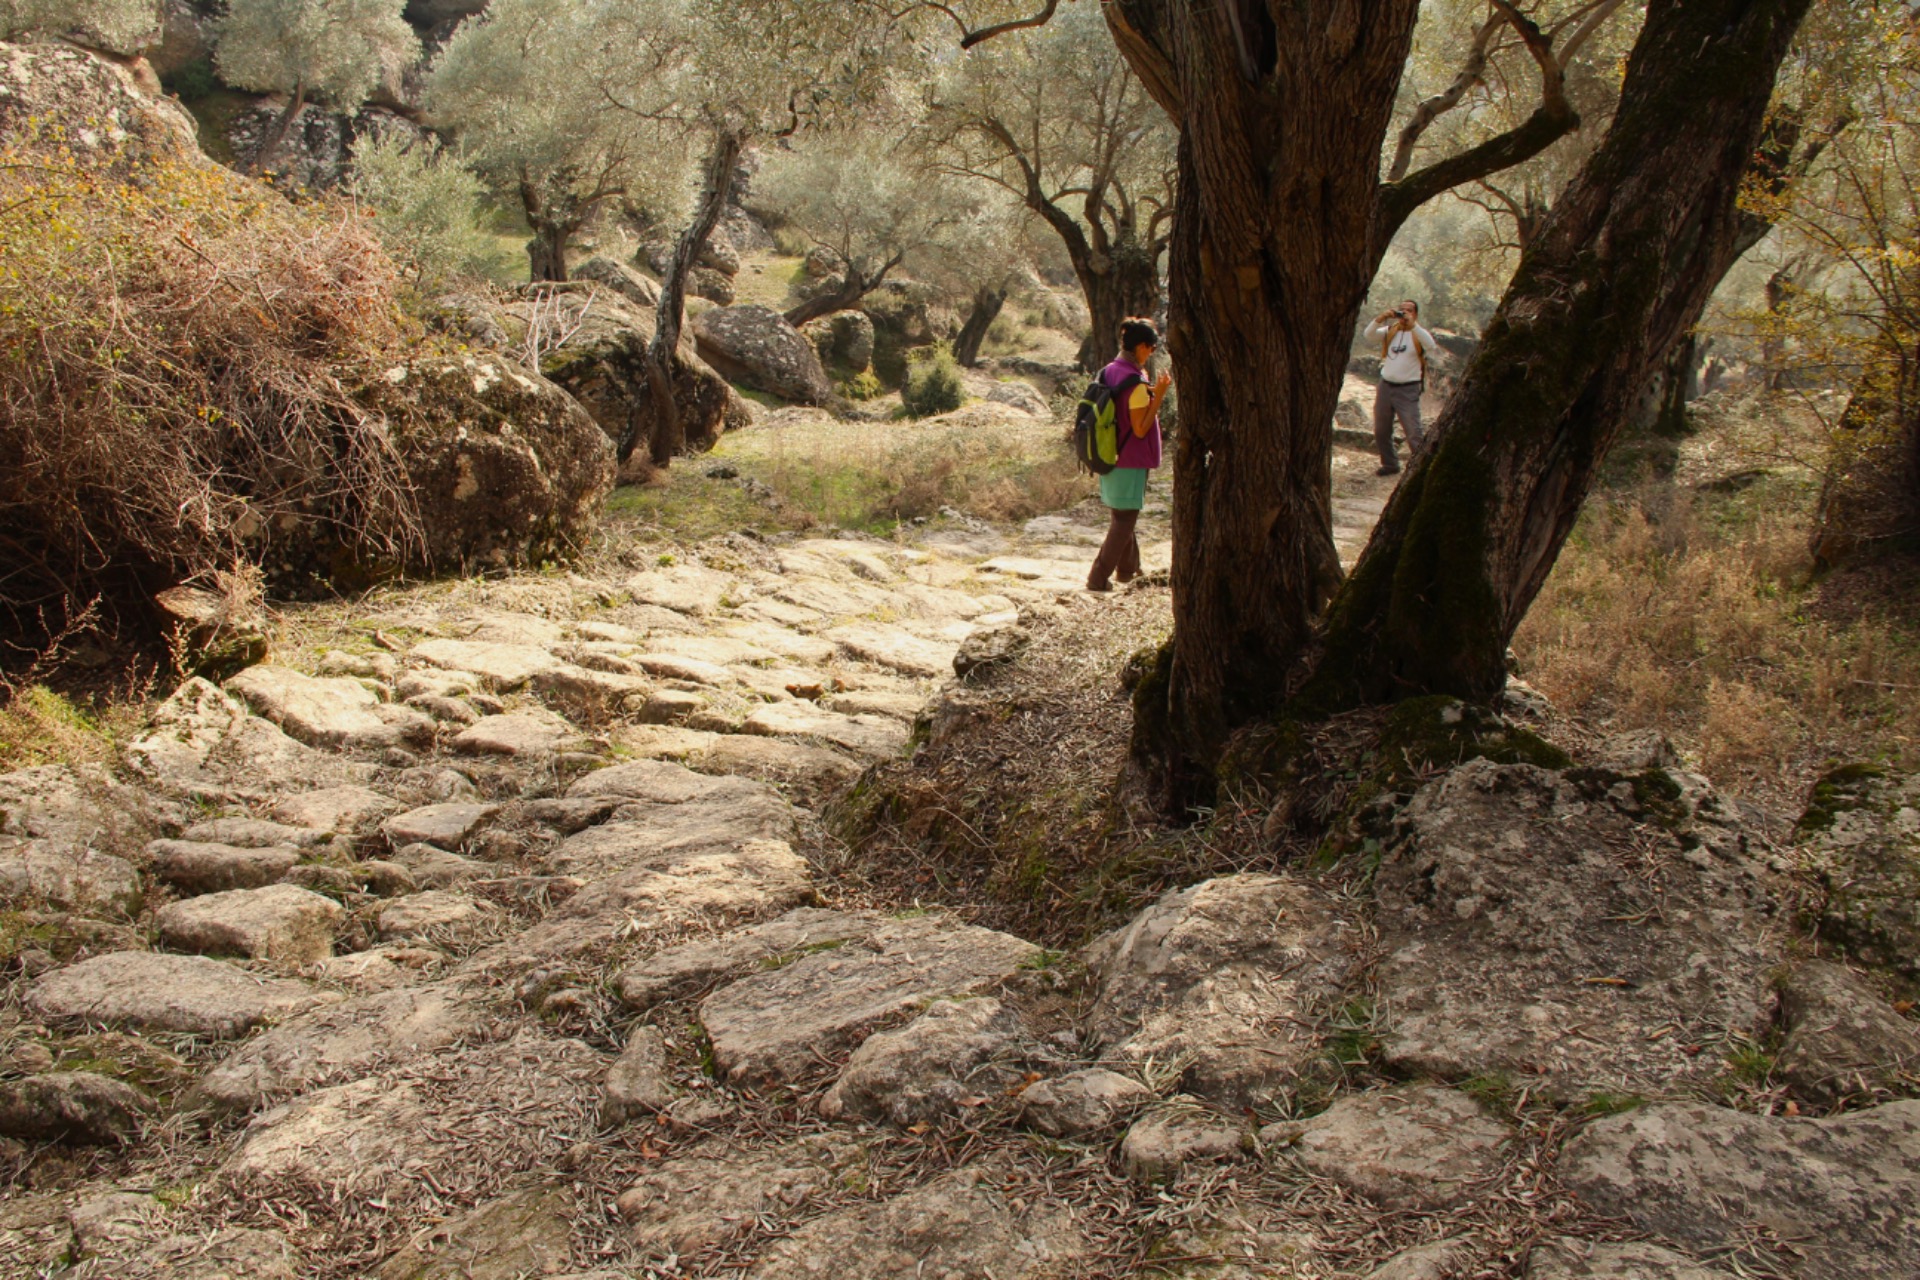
x,y
1282,111
1119,283
988,302
667,434
1617,276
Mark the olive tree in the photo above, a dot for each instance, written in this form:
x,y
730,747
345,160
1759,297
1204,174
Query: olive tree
x,y
335,51
871,203
1056,118
573,105
1286,204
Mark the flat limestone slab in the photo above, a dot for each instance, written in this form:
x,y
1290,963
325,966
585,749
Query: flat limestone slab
x,y
520,733
335,809
875,737
501,667
781,1026
281,923
329,713
150,991
1420,1148
963,1224
195,867
339,1043
713,1194
447,826
895,648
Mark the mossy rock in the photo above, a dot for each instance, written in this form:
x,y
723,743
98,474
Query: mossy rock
x,y
1861,833
1440,732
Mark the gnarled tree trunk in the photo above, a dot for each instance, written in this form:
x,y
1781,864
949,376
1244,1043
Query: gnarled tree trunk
x,y
1617,276
854,285
1119,284
988,302
667,436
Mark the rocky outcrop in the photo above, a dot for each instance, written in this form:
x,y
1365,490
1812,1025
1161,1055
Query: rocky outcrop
x,y
1861,834
126,128
1841,1190
598,354
1514,905
756,345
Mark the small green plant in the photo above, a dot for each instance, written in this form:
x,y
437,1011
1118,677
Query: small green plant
x,y
1604,1103
864,385
1353,1033
933,383
1750,1064
1493,1090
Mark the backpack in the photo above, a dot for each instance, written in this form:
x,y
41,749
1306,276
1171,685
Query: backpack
x,y
1096,425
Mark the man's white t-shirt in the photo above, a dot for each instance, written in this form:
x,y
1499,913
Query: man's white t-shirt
x,y
1403,362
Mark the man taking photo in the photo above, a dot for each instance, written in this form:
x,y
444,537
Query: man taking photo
x,y
1404,348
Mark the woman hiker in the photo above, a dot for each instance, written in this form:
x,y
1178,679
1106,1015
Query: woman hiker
x,y
1124,489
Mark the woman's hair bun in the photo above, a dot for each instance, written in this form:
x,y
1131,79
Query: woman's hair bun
x,y
1136,332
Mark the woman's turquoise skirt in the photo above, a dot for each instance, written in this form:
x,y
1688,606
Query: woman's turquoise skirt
x,y
1124,488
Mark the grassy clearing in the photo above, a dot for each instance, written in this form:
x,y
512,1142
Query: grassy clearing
x,y
861,475
1693,611
768,279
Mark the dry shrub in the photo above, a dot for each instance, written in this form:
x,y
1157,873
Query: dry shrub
x,y
178,355
1688,613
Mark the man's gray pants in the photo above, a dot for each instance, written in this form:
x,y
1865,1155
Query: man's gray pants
x,y
1401,400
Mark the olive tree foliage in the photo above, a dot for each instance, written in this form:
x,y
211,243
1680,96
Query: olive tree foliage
x,y
1848,314
336,51
524,89
1055,117
574,105
872,203
117,26
428,209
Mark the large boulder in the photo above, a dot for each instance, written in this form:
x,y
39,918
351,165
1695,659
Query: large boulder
x,y
126,126
1229,977
844,338
508,469
756,345
123,29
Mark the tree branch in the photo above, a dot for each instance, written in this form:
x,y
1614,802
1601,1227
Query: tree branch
x,y
1552,120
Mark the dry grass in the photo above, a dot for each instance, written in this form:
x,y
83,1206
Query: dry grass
x,y
1693,612
815,470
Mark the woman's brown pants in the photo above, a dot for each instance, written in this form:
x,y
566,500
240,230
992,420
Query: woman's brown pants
x,y
1119,554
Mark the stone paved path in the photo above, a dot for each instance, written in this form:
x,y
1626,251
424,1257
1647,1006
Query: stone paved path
x,y
484,944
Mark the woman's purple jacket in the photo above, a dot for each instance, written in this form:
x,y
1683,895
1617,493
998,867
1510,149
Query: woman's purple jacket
x,y
1135,451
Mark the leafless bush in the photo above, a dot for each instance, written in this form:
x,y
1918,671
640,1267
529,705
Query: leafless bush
x,y
179,356
551,321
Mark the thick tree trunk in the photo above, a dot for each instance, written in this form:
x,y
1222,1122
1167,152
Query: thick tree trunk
x,y
1282,112
1118,286
547,252
854,286
667,436
282,125
1619,273
988,301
